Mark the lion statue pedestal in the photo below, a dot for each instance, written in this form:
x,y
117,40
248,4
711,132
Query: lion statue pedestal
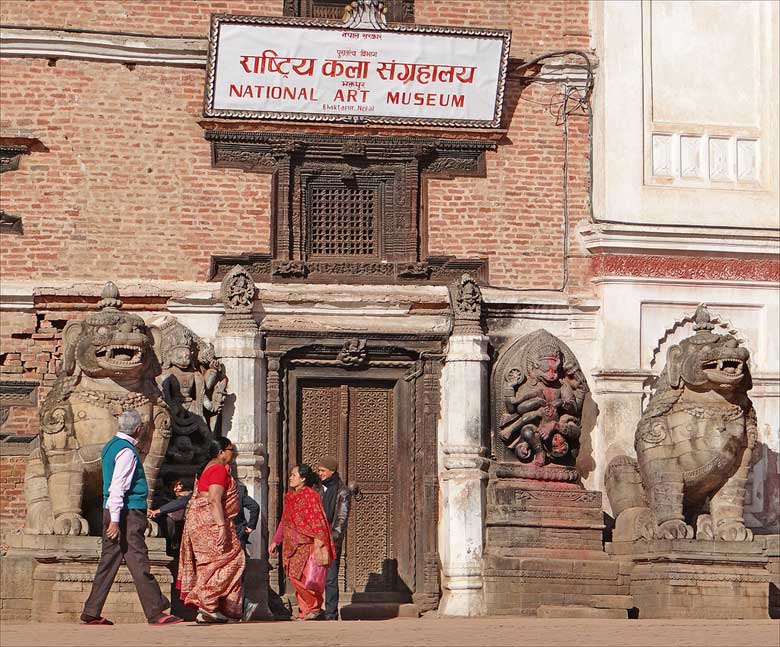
x,y
678,505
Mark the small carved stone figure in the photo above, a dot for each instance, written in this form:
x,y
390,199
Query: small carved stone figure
x,y
193,384
353,353
693,446
108,367
466,298
543,395
237,294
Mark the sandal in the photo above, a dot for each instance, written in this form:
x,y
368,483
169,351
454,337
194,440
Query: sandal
x,y
207,618
97,621
166,620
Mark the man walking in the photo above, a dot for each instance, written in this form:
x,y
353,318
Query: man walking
x,y
336,501
124,526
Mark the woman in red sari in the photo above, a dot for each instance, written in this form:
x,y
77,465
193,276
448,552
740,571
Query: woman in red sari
x,y
303,526
211,561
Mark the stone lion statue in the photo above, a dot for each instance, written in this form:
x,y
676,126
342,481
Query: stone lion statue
x,y
108,367
693,446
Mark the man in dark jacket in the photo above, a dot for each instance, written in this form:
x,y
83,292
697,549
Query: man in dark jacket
x,y
336,501
244,526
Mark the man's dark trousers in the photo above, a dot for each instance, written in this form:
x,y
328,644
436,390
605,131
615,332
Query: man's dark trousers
x,y
130,545
332,588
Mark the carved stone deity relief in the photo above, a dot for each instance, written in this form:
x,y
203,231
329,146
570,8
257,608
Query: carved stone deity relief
x,y
539,392
466,299
693,446
237,293
193,384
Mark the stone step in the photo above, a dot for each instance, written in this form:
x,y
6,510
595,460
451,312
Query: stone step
x,y
576,611
378,611
600,601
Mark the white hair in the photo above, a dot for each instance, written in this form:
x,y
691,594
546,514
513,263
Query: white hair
x,y
130,422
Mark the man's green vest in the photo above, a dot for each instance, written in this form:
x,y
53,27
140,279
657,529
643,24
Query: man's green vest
x,y
135,497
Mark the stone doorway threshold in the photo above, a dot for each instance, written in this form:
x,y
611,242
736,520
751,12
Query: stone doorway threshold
x,y
373,606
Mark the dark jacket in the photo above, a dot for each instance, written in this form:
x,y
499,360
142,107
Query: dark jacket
x,y
245,502
175,508
336,507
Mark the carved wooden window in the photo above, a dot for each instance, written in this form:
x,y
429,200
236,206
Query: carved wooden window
x,y
397,10
342,221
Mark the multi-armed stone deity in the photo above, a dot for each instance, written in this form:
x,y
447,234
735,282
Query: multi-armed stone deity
x,y
693,446
193,384
543,390
108,367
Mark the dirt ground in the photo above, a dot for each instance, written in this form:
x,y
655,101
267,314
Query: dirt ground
x,y
427,631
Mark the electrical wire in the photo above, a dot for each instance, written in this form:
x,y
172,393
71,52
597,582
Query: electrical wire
x,y
570,100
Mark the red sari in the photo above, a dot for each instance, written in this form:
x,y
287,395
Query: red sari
x,y
209,572
303,521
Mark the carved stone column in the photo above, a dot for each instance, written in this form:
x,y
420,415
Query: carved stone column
x,y
462,462
238,345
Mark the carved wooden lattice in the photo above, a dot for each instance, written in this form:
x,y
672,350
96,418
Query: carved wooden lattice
x,y
319,423
371,455
341,221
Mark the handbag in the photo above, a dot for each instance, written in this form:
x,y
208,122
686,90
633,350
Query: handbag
x,y
314,575
321,554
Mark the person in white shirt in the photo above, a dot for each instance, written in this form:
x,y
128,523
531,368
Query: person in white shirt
x,y
125,491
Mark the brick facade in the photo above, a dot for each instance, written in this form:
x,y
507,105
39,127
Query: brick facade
x,y
126,189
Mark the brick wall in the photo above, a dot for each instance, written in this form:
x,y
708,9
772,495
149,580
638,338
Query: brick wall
x,y
126,189
160,17
12,507
127,160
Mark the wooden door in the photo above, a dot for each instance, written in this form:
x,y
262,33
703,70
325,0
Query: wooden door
x,y
356,423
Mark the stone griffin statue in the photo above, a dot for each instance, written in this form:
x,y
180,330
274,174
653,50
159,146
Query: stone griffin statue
x,y
108,367
543,390
193,385
693,446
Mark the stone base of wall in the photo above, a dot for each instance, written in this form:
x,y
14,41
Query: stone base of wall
x,y
771,545
544,555
687,578
47,578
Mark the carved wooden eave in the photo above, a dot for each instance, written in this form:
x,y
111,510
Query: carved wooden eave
x,y
11,150
400,164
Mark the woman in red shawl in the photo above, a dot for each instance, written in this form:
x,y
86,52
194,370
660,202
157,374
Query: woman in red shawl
x,y
303,526
211,560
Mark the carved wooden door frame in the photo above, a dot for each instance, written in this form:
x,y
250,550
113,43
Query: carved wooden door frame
x,y
413,366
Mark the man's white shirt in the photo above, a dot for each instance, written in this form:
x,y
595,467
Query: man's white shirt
x,y
124,468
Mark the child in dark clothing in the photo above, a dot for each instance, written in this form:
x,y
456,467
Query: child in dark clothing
x,y
171,511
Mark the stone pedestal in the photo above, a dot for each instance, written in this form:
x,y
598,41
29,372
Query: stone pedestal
x,y
462,474
47,578
544,554
688,578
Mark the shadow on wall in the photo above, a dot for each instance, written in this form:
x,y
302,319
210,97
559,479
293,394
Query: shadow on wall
x,y
586,462
762,494
228,409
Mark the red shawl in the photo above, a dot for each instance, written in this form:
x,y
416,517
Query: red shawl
x,y
303,521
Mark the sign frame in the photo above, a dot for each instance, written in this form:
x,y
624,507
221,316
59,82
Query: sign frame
x,y
219,19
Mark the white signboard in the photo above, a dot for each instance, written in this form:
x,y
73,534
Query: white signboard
x,y
262,68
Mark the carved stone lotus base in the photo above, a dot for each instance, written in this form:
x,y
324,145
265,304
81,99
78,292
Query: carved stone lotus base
x,y
688,578
544,554
47,578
